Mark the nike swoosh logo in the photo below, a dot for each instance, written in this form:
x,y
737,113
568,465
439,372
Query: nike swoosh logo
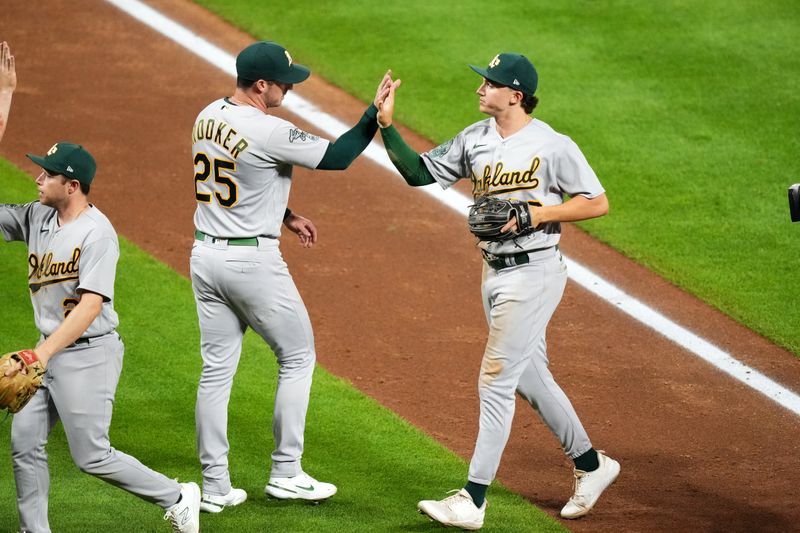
x,y
310,488
478,146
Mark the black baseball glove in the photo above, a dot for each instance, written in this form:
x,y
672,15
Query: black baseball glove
x,y
488,215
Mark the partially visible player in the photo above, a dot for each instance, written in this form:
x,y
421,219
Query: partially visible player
x,y
72,258
8,82
243,157
512,155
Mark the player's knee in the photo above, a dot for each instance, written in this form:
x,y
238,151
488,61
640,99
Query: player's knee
x,y
24,452
489,390
25,442
298,360
91,462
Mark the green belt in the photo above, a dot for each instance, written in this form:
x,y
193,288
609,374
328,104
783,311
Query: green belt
x,y
250,241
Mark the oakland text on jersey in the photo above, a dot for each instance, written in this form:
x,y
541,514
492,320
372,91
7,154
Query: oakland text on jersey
x,y
220,133
44,271
494,180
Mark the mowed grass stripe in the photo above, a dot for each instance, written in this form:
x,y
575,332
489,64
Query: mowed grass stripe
x,y
381,464
686,110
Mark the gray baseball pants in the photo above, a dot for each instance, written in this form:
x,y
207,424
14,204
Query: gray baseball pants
x,y
78,389
519,302
236,287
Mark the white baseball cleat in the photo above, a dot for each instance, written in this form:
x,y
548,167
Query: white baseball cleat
x,y
589,486
457,510
299,487
184,516
213,503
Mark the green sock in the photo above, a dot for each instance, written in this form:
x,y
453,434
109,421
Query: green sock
x,y
477,491
588,461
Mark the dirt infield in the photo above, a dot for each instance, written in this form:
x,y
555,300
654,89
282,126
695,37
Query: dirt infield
x,y
395,302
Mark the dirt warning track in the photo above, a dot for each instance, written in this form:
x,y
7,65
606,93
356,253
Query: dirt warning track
x,y
395,302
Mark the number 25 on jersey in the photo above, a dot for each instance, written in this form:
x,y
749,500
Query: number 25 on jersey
x,y
204,168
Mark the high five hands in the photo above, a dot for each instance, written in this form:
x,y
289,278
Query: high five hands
x,y
384,99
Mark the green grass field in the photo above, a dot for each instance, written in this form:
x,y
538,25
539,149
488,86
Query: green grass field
x,y
687,110
381,464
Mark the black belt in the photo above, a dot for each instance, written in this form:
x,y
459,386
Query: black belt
x,y
84,340
499,262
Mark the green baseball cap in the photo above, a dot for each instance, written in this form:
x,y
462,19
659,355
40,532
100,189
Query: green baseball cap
x,y
269,61
514,70
71,160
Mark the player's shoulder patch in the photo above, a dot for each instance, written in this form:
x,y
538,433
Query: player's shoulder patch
x,y
441,150
296,134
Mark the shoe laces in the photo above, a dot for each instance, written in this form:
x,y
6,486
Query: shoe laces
x,y
580,476
457,500
173,517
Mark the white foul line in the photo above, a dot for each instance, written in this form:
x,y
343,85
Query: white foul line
x,y
459,202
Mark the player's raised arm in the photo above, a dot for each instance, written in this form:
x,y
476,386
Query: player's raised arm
x,y
350,144
407,161
8,82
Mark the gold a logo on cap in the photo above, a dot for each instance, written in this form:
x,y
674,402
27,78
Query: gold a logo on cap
x,y
53,149
494,62
288,57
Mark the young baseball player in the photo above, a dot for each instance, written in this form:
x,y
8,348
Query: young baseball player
x,y
243,157
72,254
512,155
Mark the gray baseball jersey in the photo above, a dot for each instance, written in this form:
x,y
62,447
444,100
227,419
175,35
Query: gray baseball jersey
x,y
535,164
243,168
80,383
81,255
538,165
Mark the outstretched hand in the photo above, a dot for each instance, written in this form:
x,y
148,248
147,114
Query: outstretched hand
x,y
8,82
8,72
305,229
383,88
385,103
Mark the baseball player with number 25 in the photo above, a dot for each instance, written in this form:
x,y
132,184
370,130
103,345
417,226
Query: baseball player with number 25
x,y
512,156
243,158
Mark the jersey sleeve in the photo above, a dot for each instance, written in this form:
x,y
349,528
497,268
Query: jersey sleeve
x,y
573,173
15,221
290,144
448,162
98,267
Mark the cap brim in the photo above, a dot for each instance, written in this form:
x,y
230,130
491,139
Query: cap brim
x,y
40,161
485,73
481,71
296,74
